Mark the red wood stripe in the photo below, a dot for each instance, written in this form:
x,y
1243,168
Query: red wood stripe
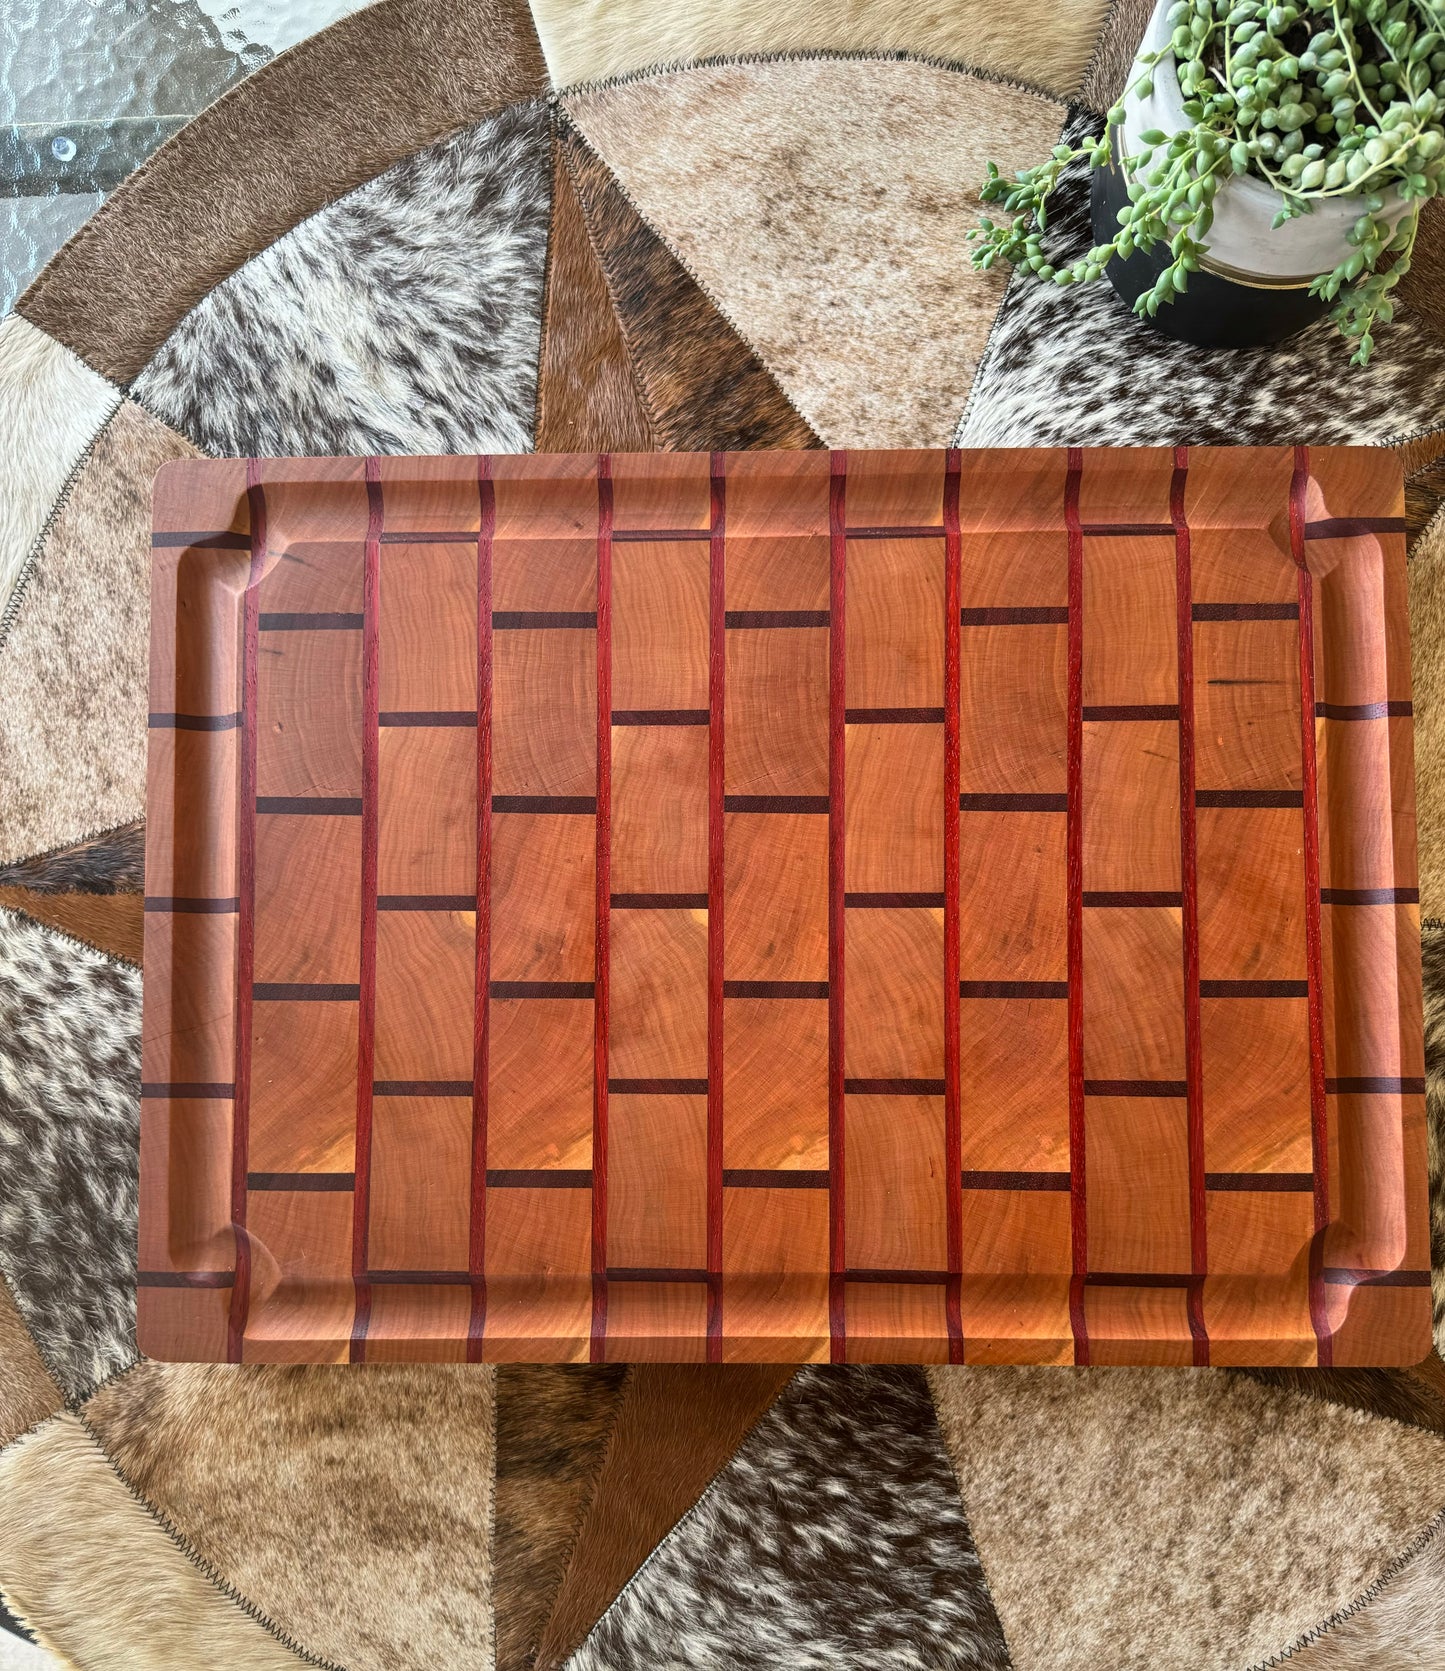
x,y
482,969
366,1015
716,823
952,906
1078,1217
657,1087
837,914
1189,875
246,915
1314,951
602,967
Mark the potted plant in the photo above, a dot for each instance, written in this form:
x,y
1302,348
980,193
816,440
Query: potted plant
x,y
1267,162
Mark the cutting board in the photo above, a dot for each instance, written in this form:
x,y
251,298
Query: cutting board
x,y
870,906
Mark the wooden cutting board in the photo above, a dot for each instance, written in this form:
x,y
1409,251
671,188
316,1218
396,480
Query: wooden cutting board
x,y
881,906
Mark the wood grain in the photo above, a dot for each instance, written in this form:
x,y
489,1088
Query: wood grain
x,y
553,929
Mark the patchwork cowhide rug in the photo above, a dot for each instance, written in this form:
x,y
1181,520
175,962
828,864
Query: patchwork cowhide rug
x,y
471,225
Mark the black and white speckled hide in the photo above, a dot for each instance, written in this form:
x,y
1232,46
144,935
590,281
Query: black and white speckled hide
x,y
1073,366
834,1538
69,1107
403,318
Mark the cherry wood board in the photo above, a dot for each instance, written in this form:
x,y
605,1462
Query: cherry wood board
x,y
870,906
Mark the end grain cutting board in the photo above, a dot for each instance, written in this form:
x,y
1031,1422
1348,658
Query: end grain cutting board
x,y
928,906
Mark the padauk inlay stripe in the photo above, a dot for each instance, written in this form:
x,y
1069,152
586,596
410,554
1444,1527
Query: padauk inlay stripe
x,y
1314,950
603,906
718,620
370,857
1189,888
240,1306
952,905
1074,883
837,913
482,946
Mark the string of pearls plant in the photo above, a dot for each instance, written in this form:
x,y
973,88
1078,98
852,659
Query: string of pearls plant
x,y
1321,99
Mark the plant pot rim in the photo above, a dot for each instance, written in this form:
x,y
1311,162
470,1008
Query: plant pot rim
x,y
1243,245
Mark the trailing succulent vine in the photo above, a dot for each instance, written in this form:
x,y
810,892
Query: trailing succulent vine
x,y
1320,98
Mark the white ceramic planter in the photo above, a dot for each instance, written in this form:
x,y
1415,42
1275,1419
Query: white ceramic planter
x,y
1243,246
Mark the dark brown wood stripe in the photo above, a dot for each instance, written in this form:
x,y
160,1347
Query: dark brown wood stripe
x,y
1249,798
226,540
1124,530
193,722
1373,1084
1140,1279
307,1183
1369,896
659,536
905,531
1246,611
775,803
655,1273
524,620
541,989
1132,711
1349,527
422,1279
1017,1180
1013,989
1020,615
185,1279
1350,1276
659,902
908,1277
1013,803
421,1087
766,618
429,536
1107,901
201,1090
893,716
1135,1088
775,989
893,1087
781,1177
188,906
464,719
545,803
659,716
311,806
1263,1183
1364,710
1254,989
892,902
657,1087
501,1177
329,620
304,992
426,902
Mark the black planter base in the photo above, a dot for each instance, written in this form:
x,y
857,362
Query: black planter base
x,y
1214,312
